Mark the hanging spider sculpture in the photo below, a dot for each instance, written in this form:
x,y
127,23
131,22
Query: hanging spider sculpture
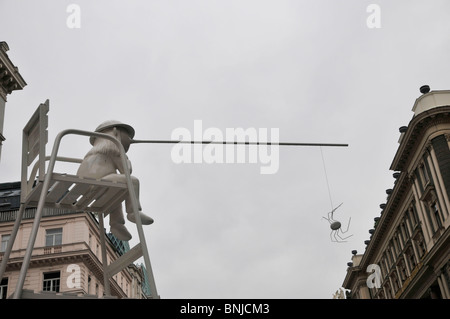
x,y
336,229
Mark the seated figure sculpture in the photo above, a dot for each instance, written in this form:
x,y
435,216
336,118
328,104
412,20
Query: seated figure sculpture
x,y
103,162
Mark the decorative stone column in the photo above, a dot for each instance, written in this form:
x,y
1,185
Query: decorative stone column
x,y
10,80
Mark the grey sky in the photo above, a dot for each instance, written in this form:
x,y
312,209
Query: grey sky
x,y
313,69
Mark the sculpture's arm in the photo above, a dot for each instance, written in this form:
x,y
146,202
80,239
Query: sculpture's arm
x,y
120,166
129,165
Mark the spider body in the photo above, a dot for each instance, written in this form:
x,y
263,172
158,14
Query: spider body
x,y
336,230
335,225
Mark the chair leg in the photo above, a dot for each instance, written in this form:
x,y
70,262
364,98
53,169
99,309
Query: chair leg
x,y
135,206
148,266
29,250
33,234
104,255
12,239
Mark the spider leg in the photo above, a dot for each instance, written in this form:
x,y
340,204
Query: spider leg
x,y
332,212
327,219
347,226
330,218
344,237
337,240
337,207
331,237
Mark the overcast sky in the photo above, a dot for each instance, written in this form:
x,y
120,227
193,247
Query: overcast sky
x,y
312,69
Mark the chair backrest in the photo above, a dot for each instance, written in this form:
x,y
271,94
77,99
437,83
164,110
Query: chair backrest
x,y
34,139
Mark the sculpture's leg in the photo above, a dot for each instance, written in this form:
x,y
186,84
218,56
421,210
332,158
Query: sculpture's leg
x,y
117,224
146,220
121,178
128,206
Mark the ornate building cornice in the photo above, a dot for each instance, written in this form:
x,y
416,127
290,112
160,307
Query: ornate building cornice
x,y
10,78
413,135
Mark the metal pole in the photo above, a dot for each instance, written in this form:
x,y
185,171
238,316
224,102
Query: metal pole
x,y
41,204
12,239
101,227
237,143
37,220
143,243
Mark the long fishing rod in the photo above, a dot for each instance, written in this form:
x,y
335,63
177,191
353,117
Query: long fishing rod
x,y
236,143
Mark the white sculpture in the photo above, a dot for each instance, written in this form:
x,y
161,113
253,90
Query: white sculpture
x,y
103,161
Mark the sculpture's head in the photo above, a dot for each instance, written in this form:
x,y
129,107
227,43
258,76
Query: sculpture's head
x,y
123,132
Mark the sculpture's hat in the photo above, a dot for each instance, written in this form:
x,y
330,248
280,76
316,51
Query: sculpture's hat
x,y
110,124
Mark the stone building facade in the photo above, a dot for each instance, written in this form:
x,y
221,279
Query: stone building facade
x,y
10,80
66,260
408,253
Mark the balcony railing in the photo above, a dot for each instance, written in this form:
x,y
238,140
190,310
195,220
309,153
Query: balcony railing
x,y
41,251
52,250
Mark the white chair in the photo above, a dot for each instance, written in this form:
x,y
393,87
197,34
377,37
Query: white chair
x,y
71,192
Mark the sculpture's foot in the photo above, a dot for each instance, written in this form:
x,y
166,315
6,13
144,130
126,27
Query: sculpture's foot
x,y
145,220
120,231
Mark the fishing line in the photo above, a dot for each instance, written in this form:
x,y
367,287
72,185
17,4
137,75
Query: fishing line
x,y
326,178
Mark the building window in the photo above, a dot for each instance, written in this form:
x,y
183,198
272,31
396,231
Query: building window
x,y
53,237
5,240
51,281
420,244
372,293
89,284
411,257
388,259
4,288
437,217
395,283
385,261
419,179
424,171
413,216
446,273
387,289
402,270
404,232
408,226
398,248
429,219
391,253
383,267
